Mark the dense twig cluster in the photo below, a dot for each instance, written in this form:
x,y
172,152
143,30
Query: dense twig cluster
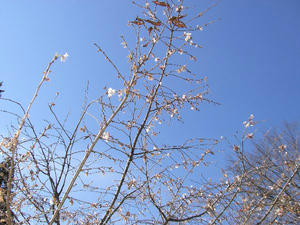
x,y
270,189
4,179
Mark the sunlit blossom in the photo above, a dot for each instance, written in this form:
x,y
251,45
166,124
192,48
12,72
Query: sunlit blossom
x,y
124,44
250,135
188,36
251,117
110,92
199,28
105,136
246,124
179,8
64,57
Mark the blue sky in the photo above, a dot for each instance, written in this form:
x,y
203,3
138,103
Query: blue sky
x,y
250,56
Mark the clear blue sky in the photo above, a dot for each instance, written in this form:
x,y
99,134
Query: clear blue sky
x,y
251,57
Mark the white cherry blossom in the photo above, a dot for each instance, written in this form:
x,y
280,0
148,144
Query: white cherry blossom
x,y
110,92
64,57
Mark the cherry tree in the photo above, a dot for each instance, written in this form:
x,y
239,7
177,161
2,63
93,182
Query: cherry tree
x,y
119,171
